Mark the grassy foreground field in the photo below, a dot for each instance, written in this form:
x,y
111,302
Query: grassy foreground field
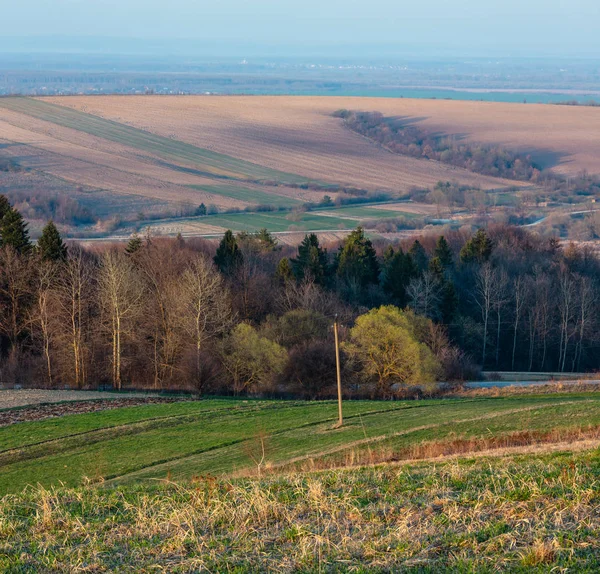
x,y
213,486
517,514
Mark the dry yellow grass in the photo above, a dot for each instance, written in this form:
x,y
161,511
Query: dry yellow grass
x,y
292,134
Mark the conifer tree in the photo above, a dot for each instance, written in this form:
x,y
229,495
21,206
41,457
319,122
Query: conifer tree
x,y
357,260
284,272
443,252
419,256
50,245
14,233
311,260
228,256
134,244
5,206
477,249
397,273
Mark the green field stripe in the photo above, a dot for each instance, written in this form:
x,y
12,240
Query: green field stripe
x,y
14,437
163,147
287,441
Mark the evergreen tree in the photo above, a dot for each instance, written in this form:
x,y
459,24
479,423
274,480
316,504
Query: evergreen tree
x,y
5,206
419,256
397,273
443,252
134,244
284,272
477,249
13,231
448,301
311,260
265,240
201,210
50,245
357,260
228,256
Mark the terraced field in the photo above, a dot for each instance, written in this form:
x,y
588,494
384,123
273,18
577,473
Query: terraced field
x,y
227,437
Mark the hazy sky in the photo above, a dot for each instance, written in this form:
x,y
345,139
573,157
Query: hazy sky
x,y
502,27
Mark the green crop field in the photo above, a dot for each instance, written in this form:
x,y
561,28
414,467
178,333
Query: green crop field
x,y
360,212
206,161
193,438
253,196
275,221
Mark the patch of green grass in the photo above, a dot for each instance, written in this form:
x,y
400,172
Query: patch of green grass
x,y
219,436
212,163
458,516
277,221
362,212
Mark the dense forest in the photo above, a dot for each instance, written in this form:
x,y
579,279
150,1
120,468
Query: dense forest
x,y
252,316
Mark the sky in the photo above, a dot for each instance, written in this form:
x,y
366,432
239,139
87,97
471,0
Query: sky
x,y
466,27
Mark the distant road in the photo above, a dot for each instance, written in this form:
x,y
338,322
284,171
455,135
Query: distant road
x,y
490,384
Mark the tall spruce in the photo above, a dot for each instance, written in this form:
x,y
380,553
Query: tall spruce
x,y
14,233
419,256
228,256
443,252
357,261
398,270
311,260
5,206
50,245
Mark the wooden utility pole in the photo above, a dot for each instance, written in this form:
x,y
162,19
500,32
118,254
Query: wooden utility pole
x,y
338,372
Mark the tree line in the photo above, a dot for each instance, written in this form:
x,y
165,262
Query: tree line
x,y
409,139
251,316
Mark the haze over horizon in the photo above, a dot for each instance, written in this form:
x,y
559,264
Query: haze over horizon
x,y
511,28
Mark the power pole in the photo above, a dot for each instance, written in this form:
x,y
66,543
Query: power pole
x,y
338,371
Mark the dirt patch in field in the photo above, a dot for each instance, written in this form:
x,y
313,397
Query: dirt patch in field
x,y
47,411
13,398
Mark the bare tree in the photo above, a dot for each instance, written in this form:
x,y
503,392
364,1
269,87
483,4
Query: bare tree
x,y
121,297
205,309
484,298
518,296
500,298
566,306
74,290
43,313
587,298
15,293
161,265
425,294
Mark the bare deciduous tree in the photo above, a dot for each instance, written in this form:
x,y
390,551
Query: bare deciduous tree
x,y
74,298
425,294
205,310
121,297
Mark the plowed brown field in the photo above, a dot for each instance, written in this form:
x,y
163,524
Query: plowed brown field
x,y
292,134
298,132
